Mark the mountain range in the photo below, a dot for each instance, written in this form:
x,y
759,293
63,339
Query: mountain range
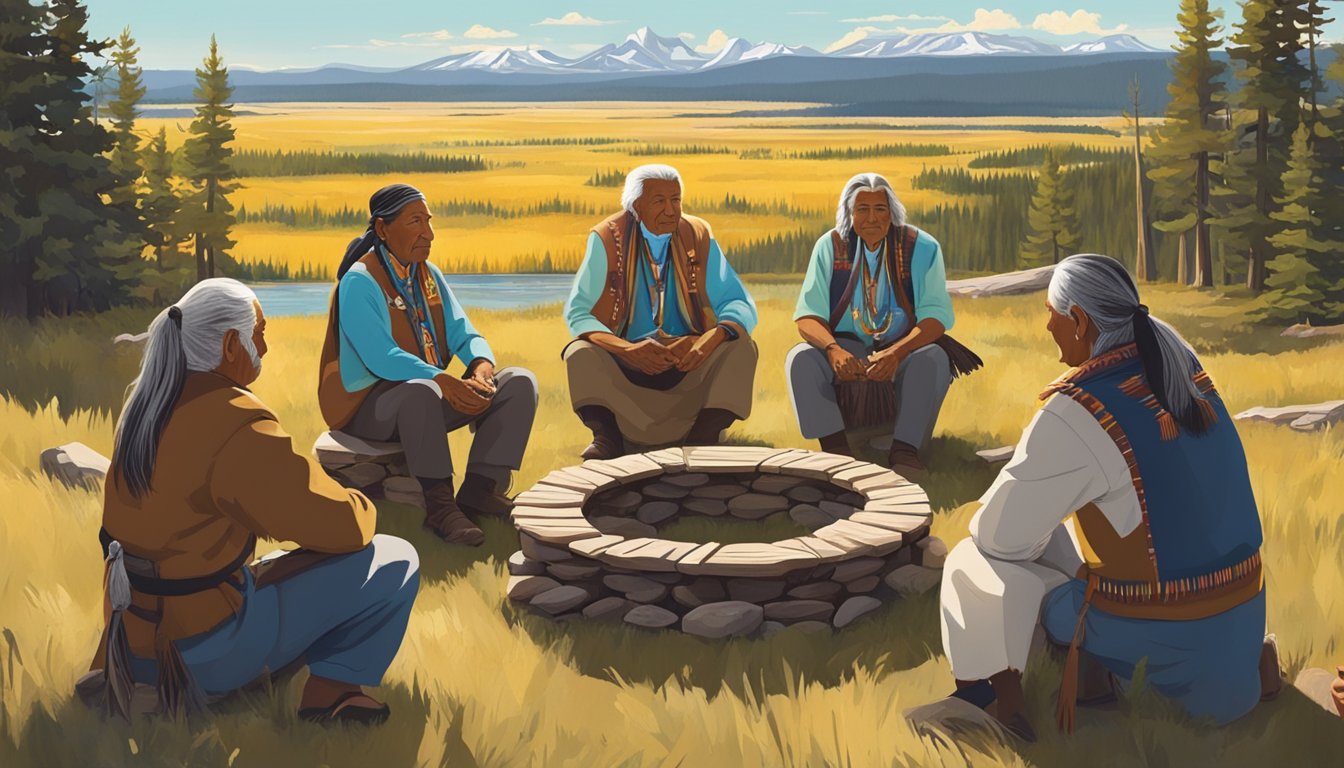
x,y
646,52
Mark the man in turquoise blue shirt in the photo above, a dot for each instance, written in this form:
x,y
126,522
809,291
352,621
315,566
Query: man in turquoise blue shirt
x,y
394,327
873,313
662,350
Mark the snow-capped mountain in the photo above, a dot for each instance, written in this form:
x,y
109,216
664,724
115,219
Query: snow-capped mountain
x,y
1113,44
739,50
644,51
948,44
500,60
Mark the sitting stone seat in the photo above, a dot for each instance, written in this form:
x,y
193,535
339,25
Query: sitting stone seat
x,y
377,469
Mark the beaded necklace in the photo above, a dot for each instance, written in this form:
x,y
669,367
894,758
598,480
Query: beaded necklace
x,y
871,325
658,291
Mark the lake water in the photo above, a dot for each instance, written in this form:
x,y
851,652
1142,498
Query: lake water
x,y
472,291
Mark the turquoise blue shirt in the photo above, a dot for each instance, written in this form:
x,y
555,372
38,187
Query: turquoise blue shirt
x,y
368,351
927,272
728,296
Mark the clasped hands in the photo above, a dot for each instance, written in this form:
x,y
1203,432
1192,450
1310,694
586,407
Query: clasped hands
x,y
471,395
684,353
879,366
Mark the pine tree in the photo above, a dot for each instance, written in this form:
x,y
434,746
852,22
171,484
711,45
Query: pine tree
x,y
123,112
206,164
161,203
23,57
1052,216
1303,276
1267,48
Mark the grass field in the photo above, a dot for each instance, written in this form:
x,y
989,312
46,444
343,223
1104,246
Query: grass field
x,y
756,158
477,683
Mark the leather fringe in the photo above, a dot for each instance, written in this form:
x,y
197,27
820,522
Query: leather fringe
x,y
178,693
963,360
865,404
117,668
1068,685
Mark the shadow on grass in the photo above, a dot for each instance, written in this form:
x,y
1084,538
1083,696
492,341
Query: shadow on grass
x,y
898,636
956,475
256,728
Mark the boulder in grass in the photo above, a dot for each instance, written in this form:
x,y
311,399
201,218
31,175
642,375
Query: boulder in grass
x,y
913,579
1312,331
560,599
997,455
1007,284
75,465
651,617
338,449
1302,417
931,552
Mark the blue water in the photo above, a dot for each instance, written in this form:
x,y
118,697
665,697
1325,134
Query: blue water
x,y
472,292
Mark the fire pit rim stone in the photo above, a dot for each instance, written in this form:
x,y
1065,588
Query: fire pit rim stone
x,y
552,512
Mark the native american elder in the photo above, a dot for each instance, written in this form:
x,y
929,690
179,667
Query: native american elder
x,y
394,326
1124,521
662,350
200,470
874,328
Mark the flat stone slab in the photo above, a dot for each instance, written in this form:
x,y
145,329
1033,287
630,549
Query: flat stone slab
x,y
1301,331
595,546
560,599
776,484
707,507
805,494
608,609
1301,417
519,565
854,609
727,458
687,479
931,552
549,496
623,526
799,610
753,560
573,571
914,579
817,466
647,554
627,469
655,512
817,590
75,465
650,617
336,448
671,459
857,538
809,516
622,503
636,588
857,569
997,455
731,618
719,491
665,491
528,587
775,464
1006,284
754,506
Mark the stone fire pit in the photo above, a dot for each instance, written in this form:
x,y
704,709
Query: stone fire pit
x,y
591,547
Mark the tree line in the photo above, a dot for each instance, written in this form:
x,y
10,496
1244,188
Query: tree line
x,y
85,199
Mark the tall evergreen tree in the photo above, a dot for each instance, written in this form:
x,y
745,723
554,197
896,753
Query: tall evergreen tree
x,y
123,112
1190,138
206,164
161,203
1053,218
1267,48
1306,278
24,52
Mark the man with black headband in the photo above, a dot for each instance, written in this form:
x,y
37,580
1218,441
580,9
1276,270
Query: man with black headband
x,y
1125,522
662,350
393,329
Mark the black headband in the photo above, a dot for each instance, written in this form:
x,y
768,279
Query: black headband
x,y
383,204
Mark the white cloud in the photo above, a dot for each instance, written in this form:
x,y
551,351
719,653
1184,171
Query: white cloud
x,y
441,34
573,19
686,35
482,32
984,20
714,43
1079,22
892,17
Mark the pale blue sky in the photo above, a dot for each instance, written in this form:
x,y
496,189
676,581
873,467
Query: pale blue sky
x,y
173,34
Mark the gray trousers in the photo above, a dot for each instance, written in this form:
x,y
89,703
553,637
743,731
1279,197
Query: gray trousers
x,y
921,384
416,416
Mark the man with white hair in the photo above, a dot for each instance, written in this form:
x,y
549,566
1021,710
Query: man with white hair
x,y
200,470
874,314
662,350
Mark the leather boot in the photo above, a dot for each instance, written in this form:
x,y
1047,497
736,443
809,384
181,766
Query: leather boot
x,y
837,443
478,498
607,441
445,518
903,459
709,425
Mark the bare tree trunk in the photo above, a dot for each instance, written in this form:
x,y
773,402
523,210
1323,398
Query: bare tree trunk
x,y
210,209
1203,252
1145,270
1182,261
1255,266
200,257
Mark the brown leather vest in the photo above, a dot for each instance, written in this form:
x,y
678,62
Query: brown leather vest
x,y
688,251
340,405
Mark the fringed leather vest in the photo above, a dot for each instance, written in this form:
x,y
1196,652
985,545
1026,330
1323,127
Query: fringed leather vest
x,y
1196,552
688,251
339,405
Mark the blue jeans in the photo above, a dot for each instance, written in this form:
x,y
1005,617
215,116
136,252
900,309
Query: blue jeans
x,y
1210,666
345,616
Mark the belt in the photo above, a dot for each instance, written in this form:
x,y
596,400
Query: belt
x,y
142,573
